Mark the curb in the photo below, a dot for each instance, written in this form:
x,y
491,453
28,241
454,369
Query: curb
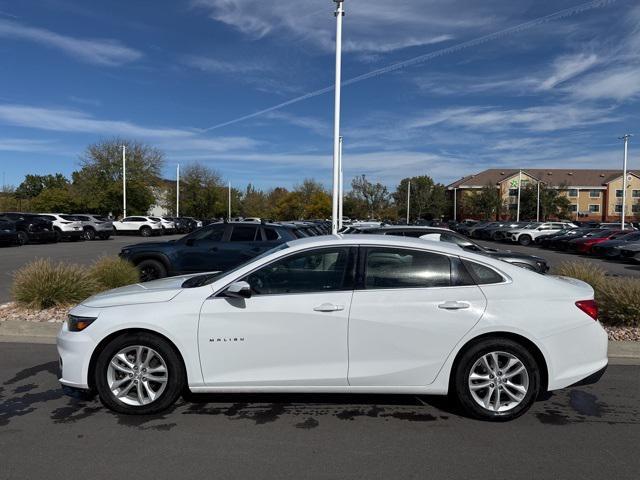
x,y
620,353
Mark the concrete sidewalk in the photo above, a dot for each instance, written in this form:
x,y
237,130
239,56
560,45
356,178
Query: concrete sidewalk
x,y
620,353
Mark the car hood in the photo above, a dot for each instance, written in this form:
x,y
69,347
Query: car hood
x,y
148,246
155,291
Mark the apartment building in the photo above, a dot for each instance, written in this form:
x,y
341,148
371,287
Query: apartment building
x,y
594,194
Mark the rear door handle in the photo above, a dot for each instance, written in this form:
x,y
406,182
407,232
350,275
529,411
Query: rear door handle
x,y
328,307
454,305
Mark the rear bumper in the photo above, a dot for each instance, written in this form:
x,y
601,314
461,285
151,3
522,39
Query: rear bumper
x,y
591,379
72,233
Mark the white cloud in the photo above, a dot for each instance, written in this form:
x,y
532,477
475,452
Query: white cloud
x,y
567,67
104,52
215,65
370,26
24,145
614,83
312,124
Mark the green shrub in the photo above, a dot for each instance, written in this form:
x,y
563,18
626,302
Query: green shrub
x,y
44,284
113,272
618,298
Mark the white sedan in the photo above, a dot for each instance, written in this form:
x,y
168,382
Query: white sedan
x,y
331,314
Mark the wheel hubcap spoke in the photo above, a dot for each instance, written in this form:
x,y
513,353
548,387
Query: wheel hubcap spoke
x,y
498,381
137,375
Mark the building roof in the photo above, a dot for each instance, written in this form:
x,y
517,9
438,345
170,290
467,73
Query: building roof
x,y
552,176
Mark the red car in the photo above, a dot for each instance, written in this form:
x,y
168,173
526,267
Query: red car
x,y
584,244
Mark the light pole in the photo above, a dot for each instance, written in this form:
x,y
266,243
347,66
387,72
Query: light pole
x,y
519,188
229,203
178,191
341,190
455,204
408,199
538,203
339,13
625,138
124,181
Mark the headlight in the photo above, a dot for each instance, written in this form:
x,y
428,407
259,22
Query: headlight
x,y
77,324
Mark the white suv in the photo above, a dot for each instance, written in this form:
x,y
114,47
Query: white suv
x,y
528,233
168,226
145,226
95,226
65,226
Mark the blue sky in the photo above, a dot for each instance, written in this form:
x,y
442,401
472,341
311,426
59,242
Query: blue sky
x,y
557,93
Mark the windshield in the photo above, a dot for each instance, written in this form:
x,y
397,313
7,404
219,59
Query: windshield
x,y
69,217
209,278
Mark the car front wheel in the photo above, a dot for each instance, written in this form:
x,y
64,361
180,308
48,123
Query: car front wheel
x,y
524,240
497,379
139,373
151,270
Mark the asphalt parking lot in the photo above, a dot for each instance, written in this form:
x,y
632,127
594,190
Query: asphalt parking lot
x,y
588,432
82,252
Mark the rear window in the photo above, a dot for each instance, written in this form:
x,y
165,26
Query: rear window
x,y
243,233
71,218
482,275
271,234
401,268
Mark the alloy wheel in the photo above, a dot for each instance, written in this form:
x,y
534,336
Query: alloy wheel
x,y
137,375
498,381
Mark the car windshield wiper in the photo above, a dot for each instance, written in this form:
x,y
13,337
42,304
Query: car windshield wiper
x,y
200,280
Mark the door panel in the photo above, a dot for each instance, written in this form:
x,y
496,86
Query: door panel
x,y
403,337
275,340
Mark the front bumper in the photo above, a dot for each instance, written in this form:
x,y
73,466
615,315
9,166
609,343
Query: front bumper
x,y
74,350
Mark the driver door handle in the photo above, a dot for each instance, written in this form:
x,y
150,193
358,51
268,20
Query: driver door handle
x,y
328,307
450,305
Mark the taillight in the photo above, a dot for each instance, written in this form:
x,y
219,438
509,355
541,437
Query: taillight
x,y
590,307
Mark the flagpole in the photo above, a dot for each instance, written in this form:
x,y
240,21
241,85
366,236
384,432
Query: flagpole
x,y
339,13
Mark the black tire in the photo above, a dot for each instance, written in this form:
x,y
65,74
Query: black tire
x,y
89,233
23,238
176,377
58,235
461,375
524,240
145,231
151,270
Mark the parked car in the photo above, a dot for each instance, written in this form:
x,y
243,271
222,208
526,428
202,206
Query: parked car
x,y
630,251
499,233
184,224
468,231
410,317
8,233
530,262
66,227
95,226
616,225
216,247
141,225
167,224
31,227
611,248
526,235
561,242
586,244
545,240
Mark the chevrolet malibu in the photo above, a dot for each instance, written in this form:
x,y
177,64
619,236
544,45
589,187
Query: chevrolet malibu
x,y
349,314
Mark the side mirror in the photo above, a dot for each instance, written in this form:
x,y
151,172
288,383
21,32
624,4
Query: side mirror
x,y
238,290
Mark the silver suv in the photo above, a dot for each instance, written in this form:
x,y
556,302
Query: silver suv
x,y
95,226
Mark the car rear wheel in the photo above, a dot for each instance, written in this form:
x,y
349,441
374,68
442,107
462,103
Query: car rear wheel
x,y
524,240
151,270
145,231
89,234
496,379
139,373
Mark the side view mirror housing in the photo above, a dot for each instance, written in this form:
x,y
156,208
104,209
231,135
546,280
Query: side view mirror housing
x,y
238,290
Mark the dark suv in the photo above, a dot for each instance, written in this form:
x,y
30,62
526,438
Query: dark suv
x,y
31,228
216,247
530,262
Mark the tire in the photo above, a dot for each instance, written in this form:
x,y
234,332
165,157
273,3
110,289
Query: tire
x,y
58,235
89,234
524,240
23,238
151,270
145,231
138,349
472,361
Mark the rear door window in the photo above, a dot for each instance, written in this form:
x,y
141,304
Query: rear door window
x,y
404,268
271,234
243,233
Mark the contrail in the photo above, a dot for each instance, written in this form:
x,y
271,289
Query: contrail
x,y
567,12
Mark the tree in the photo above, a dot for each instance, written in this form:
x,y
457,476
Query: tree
x,y
374,195
202,193
56,200
99,180
254,203
487,203
552,203
33,185
428,199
